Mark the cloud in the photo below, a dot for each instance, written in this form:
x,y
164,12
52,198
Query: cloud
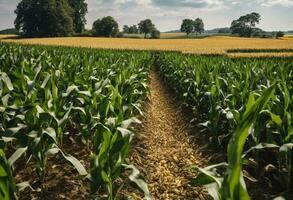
x,y
191,4
270,3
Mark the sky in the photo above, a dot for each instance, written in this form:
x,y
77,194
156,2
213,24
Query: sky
x,y
168,14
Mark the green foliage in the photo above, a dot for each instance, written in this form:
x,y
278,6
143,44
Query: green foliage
x,y
245,104
7,187
44,18
155,34
106,27
133,29
146,26
198,26
245,25
9,31
187,26
279,34
125,29
130,29
79,11
55,90
259,50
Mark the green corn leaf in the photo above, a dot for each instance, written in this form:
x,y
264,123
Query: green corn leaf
x,y
16,155
136,177
234,188
7,81
75,162
276,118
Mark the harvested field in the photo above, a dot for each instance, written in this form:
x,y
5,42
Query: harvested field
x,y
209,45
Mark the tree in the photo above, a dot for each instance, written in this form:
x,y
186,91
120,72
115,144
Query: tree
x,y
198,26
155,34
187,26
44,18
279,34
106,27
63,21
79,11
146,27
133,29
125,29
245,25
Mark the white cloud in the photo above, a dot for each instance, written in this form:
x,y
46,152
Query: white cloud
x,y
285,3
139,2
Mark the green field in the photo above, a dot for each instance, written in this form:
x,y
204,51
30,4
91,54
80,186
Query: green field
x,y
53,95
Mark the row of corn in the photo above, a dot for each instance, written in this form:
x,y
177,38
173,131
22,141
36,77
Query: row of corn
x,y
245,107
50,92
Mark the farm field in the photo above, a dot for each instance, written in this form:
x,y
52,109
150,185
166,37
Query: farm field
x,y
72,116
209,45
146,100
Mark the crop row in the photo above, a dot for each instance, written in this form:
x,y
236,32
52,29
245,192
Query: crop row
x,y
259,50
50,92
245,106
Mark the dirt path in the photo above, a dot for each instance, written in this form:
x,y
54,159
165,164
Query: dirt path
x,y
164,149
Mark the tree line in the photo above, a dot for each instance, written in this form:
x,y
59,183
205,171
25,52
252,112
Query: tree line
x,y
244,26
40,18
108,27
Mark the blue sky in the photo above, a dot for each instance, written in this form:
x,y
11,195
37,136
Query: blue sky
x,y
168,14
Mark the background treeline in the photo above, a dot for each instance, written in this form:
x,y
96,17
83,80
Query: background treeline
x,y
43,18
51,18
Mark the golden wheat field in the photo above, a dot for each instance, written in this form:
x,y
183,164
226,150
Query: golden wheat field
x,y
209,45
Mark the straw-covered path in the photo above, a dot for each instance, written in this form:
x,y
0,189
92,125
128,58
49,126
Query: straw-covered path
x,y
164,150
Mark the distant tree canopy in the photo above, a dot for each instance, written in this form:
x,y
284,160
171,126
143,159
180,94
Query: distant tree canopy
x,y
133,29
146,26
198,26
125,29
155,34
189,26
105,27
79,11
130,29
49,17
245,25
9,31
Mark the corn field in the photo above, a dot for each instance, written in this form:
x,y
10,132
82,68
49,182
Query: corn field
x,y
244,106
49,92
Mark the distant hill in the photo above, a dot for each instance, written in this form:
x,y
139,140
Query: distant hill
x,y
174,31
9,31
218,30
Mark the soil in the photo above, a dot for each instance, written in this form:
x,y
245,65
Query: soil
x,y
165,150
61,180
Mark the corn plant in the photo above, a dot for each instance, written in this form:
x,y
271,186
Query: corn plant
x,y
48,93
217,90
7,186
